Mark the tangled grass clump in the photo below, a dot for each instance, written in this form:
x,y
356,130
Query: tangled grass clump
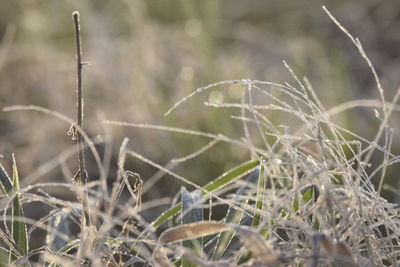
x,y
305,197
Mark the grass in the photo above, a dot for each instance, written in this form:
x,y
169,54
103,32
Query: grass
x,y
304,197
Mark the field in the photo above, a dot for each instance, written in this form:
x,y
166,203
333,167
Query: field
x,y
209,133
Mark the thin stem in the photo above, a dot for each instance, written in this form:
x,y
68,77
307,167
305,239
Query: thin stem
x,y
81,175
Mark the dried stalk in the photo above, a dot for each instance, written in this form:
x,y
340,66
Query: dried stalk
x,y
81,176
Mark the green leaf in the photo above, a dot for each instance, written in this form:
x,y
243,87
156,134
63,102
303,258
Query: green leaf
x,y
316,225
295,204
225,179
231,176
18,226
258,207
167,215
233,216
245,258
308,193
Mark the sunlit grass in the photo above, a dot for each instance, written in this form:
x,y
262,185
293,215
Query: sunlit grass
x,y
303,196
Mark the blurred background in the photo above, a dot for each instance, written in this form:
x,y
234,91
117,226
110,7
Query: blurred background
x,y
146,55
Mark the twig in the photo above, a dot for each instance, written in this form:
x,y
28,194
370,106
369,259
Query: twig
x,y
81,176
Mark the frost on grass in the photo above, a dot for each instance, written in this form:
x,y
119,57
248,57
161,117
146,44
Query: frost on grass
x,y
318,180
319,204
312,200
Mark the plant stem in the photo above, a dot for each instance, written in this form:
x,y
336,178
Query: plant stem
x,y
81,153
81,175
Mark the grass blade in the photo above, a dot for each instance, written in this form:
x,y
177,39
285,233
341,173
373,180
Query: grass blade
x,y
233,216
190,206
308,193
225,179
191,231
167,215
183,233
18,227
231,176
338,251
190,202
260,196
5,180
261,252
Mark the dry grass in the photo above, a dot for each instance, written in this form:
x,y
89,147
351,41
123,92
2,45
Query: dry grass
x,y
306,197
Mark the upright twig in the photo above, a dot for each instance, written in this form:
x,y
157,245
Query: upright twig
x,y
81,175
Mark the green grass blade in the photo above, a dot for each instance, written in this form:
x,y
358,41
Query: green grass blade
x,y
233,216
308,193
5,180
18,227
191,214
260,196
231,176
295,204
70,246
225,179
167,215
